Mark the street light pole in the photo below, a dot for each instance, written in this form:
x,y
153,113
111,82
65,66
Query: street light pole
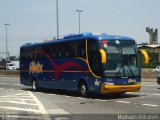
x,y
7,53
57,19
79,11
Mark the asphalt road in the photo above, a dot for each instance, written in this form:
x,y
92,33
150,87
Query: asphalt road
x,y
20,102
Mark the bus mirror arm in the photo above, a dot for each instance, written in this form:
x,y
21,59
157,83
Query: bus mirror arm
x,y
103,56
145,54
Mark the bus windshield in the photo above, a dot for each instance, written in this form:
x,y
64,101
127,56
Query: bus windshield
x,y
122,58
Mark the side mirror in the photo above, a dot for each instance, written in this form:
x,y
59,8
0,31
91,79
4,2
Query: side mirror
x,y
103,56
145,54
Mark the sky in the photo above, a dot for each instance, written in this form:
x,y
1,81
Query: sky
x,y
33,21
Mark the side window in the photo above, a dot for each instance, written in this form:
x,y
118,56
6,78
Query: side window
x,y
38,51
26,53
81,49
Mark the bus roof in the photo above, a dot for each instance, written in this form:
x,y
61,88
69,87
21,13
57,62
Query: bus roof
x,y
73,37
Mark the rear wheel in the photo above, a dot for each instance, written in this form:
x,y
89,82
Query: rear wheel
x,y
84,90
34,85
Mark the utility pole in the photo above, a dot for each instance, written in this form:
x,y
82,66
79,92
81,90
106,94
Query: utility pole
x,y
57,19
79,11
7,53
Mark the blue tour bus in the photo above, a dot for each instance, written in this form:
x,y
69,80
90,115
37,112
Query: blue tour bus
x,y
87,62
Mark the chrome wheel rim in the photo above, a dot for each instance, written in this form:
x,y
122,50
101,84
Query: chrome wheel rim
x,y
34,85
83,89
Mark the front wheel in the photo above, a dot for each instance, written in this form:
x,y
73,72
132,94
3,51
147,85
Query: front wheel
x,y
84,90
34,85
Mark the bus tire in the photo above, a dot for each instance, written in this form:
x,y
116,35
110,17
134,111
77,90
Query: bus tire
x,y
84,90
34,85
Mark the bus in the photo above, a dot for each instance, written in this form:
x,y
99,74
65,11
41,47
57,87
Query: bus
x,y
86,62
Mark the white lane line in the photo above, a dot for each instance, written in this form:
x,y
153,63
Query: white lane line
x,y
9,78
123,102
11,89
17,99
25,96
23,93
155,94
100,100
149,85
130,92
23,103
3,83
8,84
81,98
13,117
42,109
151,105
20,109
9,96
17,84
52,94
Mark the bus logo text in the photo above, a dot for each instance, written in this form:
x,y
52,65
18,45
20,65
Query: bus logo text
x,y
35,67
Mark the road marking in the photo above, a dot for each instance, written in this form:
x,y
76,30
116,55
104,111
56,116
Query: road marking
x,y
81,98
130,92
17,99
151,84
42,109
20,109
155,94
24,103
52,94
17,84
8,84
26,96
3,83
23,93
100,100
9,78
11,89
150,105
9,96
123,102
12,117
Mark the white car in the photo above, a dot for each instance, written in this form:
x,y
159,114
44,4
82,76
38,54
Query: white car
x,y
157,69
10,66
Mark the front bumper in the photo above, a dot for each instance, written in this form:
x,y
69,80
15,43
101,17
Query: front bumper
x,y
119,88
